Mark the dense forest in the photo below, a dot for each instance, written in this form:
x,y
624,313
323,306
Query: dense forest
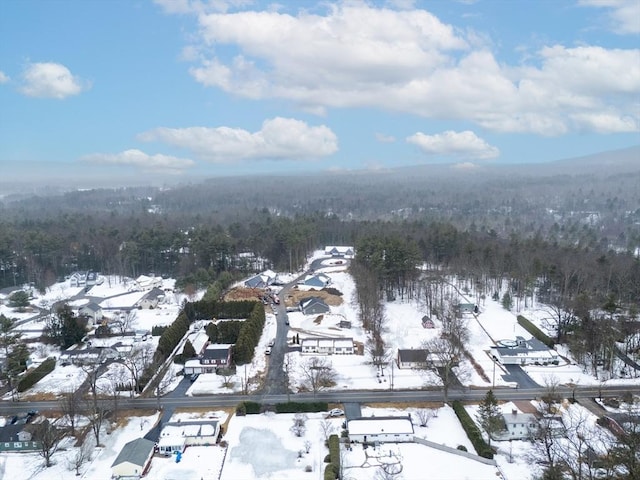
x,y
562,234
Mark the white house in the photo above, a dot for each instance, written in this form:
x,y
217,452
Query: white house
x,y
520,426
380,429
339,251
524,352
133,460
144,282
92,311
176,436
328,346
151,299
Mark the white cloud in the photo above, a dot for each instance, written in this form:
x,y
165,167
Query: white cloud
x,y
279,138
624,14
357,55
3,77
200,6
142,160
457,144
382,138
50,80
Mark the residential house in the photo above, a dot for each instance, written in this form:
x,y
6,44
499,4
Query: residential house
x,y
420,358
92,312
134,459
380,429
78,279
313,306
519,426
339,251
17,438
328,346
91,279
144,282
262,280
216,355
151,299
524,352
413,358
319,280
90,355
176,436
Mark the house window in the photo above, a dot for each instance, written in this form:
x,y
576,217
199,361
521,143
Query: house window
x,y
223,361
7,445
17,444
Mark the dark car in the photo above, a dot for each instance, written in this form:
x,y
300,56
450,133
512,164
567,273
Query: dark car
x,y
194,377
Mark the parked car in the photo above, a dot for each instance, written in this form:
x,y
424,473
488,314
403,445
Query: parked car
x,y
336,412
267,351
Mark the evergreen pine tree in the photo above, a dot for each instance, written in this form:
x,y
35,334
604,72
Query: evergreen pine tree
x,y
489,415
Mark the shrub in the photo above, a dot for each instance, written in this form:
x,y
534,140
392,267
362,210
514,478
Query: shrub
x,y
32,377
462,448
329,472
334,452
535,331
308,468
241,409
250,408
472,431
327,458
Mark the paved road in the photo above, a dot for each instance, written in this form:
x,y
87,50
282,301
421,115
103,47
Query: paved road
x,y
275,382
360,396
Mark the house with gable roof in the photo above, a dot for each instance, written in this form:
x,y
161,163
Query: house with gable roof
x,y
313,306
339,251
319,280
216,355
134,459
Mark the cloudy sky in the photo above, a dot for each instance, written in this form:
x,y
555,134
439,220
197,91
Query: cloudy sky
x,y
215,87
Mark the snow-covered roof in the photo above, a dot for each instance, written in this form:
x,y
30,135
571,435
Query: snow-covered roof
x,y
380,425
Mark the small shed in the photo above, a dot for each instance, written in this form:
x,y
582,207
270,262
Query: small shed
x,y
134,459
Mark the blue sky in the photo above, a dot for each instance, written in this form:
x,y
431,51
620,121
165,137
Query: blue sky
x,y
200,88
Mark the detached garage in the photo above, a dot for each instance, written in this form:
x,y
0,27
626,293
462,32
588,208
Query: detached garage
x,y
380,429
134,459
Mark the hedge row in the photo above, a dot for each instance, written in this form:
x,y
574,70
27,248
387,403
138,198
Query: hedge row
x,y
334,452
249,335
329,472
535,331
172,336
472,430
208,309
248,408
32,377
297,407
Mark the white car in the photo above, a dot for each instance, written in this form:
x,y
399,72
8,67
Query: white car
x,y
336,412
267,351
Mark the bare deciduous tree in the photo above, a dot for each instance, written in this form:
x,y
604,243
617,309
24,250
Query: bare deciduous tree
x,y
317,373
49,436
79,457
424,415
326,428
299,424
70,408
